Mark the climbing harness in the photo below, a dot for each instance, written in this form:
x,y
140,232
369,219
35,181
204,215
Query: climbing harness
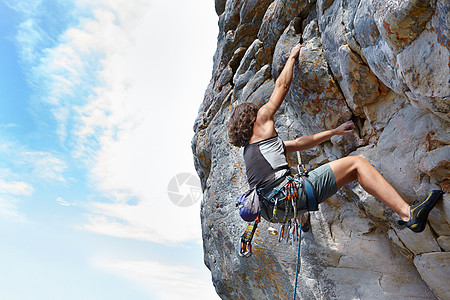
x,y
285,197
282,202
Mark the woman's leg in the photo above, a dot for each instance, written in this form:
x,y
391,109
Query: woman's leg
x,y
352,168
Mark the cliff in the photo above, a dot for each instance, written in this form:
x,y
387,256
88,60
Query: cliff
x,y
383,64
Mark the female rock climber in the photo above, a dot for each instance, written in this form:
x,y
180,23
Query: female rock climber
x,y
253,128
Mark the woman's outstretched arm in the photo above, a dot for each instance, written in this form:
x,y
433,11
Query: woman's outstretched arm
x,y
264,126
310,141
282,84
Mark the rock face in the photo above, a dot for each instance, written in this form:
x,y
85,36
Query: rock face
x,y
385,65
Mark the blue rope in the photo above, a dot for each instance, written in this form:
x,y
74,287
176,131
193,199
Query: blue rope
x,y
298,256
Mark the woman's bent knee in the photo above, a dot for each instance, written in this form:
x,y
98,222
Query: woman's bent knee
x,y
358,161
351,163
345,170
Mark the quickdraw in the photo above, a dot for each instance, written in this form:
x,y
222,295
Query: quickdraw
x,y
245,249
291,193
281,232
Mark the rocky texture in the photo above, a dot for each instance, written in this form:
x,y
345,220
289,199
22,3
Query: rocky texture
x,y
385,65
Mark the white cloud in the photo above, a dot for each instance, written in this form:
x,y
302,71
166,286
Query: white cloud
x,y
24,166
9,125
10,190
21,175
15,188
28,37
45,165
136,128
63,202
29,164
170,282
124,86
27,7
155,220
8,209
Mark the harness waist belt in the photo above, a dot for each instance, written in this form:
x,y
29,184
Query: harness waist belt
x,y
312,203
276,189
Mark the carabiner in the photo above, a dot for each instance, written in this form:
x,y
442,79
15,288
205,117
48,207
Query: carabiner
x,y
295,232
288,230
245,245
274,211
281,233
245,249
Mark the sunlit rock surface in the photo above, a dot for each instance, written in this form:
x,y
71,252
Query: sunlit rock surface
x,y
385,65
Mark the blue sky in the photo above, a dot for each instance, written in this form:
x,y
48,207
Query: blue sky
x,y
98,100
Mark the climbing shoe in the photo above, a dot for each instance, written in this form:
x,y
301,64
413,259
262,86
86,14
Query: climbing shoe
x,y
419,212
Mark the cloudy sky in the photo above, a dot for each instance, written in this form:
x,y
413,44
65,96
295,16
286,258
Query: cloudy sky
x,y
98,99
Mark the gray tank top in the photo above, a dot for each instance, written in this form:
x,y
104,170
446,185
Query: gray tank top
x,y
265,163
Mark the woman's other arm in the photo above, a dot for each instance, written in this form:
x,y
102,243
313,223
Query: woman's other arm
x,y
310,141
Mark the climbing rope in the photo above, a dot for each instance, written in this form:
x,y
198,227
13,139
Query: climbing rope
x,y
301,170
298,257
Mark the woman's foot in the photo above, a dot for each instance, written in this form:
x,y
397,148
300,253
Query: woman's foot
x,y
419,212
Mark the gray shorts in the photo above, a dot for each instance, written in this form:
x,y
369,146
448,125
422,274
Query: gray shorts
x,y
323,181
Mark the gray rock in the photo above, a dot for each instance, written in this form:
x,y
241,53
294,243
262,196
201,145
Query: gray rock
x,y
428,88
444,206
279,14
287,41
444,242
359,85
383,64
402,22
248,65
434,269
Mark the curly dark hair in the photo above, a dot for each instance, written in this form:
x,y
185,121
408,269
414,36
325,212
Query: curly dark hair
x,y
242,119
